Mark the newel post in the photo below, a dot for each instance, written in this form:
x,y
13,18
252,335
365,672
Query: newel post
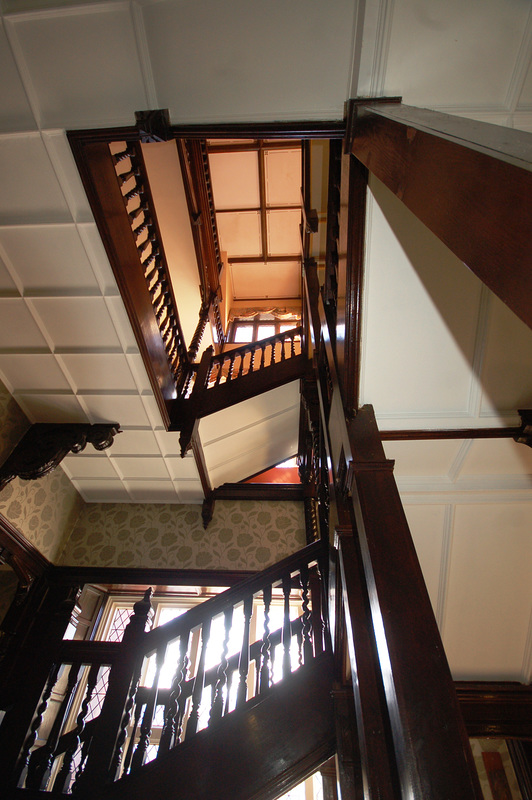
x,y
105,754
48,611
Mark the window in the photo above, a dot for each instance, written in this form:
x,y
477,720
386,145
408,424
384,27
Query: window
x,y
259,326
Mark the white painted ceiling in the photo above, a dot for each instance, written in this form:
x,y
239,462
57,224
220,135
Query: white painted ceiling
x,y
439,349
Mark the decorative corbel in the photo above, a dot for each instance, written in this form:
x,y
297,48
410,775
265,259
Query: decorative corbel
x,y
525,432
153,126
44,446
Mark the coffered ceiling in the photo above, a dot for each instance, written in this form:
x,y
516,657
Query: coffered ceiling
x,y
439,349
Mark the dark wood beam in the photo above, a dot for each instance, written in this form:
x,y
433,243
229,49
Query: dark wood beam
x,y
260,491
352,234
469,182
496,709
450,433
427,727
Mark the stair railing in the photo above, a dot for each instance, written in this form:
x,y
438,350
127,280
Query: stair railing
x,y
252,357
74,757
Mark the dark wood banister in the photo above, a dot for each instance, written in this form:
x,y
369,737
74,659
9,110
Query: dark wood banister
x,y
217,605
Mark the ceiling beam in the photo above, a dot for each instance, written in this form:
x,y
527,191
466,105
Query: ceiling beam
x,y
469,182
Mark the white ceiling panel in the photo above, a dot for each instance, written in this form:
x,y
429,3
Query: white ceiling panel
x,y
182,468
525,99
7,284
22,372
97,256
18,329
489,597
52,407
43,255
507,368
140,467
127,410
422,457
82,64
132,442
98,372
60,154
168,442
30,189
88,465
421,307
122,324
279,279
442,54
252,63
235,179
76,322
15,111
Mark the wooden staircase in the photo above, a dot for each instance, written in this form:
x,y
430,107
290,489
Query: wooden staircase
x,y
233,376
261,736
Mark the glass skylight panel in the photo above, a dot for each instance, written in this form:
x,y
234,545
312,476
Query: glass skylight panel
x,y
235,180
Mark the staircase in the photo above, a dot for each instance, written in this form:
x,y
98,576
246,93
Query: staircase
x,y
253,725
236,375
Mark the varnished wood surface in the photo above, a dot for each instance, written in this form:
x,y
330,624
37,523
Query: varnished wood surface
x,y
260,752
475,199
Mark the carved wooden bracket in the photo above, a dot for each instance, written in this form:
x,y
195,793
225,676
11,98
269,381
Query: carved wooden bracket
x,y
525,432
154,125
44,446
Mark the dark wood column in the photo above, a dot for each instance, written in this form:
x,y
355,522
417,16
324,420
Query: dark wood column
x,y
469,182
430,741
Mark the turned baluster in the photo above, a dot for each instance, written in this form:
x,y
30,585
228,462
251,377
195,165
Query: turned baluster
x,y
131,744
282,343
219,365
231,366
262,356
136,191
287,628
42,759
64,776
22,765
265,671
171,733
147,720
306,618
221,676
243,664
126,152
199,680
317,619
241,368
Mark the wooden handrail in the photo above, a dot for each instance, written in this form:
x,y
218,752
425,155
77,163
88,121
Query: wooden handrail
x,y
108,743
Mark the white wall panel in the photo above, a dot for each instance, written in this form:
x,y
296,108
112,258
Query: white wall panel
x,y
490,593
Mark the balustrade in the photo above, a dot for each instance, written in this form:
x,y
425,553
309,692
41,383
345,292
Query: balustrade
x,y
137,724
134,187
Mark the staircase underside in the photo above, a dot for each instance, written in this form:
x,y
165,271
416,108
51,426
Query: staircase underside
x,y
259,752
249,437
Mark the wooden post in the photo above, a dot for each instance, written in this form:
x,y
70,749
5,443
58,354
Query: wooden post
x,y
469,182
430,741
